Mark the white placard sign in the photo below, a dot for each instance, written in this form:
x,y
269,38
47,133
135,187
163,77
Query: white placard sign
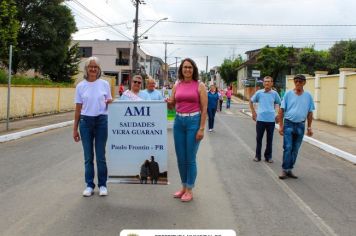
x,y
256,73
137,131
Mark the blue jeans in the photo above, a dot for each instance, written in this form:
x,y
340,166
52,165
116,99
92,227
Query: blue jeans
x,y
292,139
228,102
261,127
185,129
94,132
211,116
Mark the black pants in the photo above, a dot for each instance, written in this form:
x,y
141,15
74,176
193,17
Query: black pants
x,y
154,180
143,180
261,127
220,104
211,117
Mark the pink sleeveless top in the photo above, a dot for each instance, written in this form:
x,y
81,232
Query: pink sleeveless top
x,y
187,97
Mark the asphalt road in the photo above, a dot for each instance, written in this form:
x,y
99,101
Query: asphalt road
x,y
41,181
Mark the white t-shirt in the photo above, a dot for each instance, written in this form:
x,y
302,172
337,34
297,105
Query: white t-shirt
x,y
92,96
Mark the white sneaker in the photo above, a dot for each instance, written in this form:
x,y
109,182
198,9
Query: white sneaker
x,y
103,191
210,130
88,192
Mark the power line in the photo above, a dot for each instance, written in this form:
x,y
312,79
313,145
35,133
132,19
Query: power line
x,y
216,43
258,25
102,26
86,19
238,41
263,37
79,14
86,9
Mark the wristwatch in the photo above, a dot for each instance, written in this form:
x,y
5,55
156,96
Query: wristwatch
x,y
309,128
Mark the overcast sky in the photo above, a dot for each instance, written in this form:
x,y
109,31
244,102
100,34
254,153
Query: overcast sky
x,y
218,28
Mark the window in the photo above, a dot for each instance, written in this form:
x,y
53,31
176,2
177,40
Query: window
x,y
123,55
85,51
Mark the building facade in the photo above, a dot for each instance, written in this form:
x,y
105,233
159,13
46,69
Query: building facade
x,y
215,78
116,58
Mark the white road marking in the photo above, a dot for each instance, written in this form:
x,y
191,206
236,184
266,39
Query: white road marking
x,y
317,220
324,146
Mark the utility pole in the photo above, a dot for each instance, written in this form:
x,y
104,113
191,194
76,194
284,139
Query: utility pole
x,y
135,41
165,61
177,67
206,68
8,90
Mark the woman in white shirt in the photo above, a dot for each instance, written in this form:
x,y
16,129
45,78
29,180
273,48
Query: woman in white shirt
x,y
92,97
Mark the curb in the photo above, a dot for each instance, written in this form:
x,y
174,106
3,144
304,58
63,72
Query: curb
x,y
326,147
21,134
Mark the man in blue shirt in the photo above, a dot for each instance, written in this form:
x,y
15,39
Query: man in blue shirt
x,y
152,93
297,106
267,100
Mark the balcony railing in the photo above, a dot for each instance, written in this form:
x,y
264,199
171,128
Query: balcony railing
x,y
122,62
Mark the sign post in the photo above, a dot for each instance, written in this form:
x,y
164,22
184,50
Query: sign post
x,y
256,74
8,91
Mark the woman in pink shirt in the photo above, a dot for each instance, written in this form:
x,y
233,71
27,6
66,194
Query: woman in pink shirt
x,y
190,99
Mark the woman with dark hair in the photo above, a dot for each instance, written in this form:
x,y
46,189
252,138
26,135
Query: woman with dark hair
x,y
190,99
92,96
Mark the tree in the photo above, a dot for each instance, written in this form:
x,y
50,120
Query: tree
x,y
69,67
342,55
44,37
228,69
310,60
9,27
276,62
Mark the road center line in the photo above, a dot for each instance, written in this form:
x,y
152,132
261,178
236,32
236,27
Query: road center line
x,y
317,220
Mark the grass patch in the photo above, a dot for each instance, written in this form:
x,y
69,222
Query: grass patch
x,y
24,80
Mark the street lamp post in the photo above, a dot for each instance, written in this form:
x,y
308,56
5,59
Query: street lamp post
x,y
166,18
136,37
135,41
174,57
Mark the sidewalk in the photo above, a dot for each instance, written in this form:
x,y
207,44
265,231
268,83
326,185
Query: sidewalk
x,y
340,137
26,126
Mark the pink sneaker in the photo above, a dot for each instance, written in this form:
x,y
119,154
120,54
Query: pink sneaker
x,y
187,197
178,194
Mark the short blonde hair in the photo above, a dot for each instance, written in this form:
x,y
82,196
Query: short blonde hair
x,y
138,77
150,79
87,62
